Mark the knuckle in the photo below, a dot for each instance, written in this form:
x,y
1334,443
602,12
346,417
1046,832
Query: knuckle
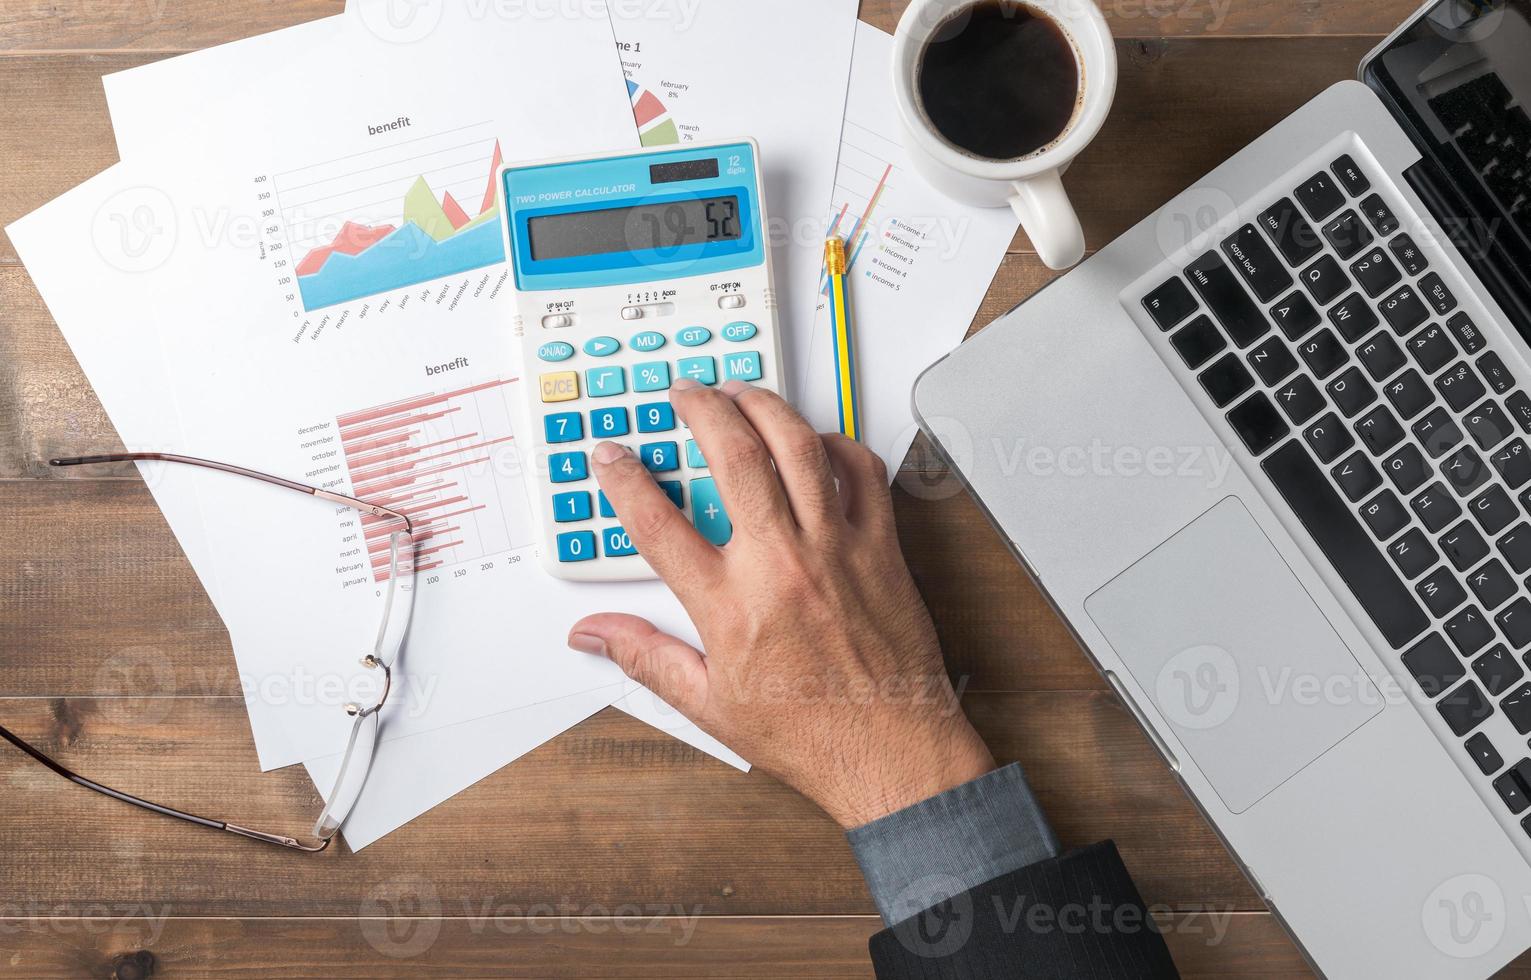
x,y
653,523
744,454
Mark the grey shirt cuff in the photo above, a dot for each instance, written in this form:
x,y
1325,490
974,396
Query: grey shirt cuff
x,y
946,845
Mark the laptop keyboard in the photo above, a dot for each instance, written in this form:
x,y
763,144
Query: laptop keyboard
x,y
1494,135
1373,404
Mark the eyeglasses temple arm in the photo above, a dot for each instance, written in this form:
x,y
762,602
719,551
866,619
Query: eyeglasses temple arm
x,y
165,811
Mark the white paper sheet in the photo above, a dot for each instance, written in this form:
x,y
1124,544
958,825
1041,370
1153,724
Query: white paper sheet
x,y
921,263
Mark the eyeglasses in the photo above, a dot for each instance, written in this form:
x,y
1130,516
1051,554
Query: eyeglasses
x,y
392,548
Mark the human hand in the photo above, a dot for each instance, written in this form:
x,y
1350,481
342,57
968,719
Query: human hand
x,y
822,663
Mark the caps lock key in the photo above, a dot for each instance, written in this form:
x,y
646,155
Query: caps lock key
x,y
1257,263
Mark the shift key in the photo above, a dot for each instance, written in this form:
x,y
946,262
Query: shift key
x,y
1224,295
1257,263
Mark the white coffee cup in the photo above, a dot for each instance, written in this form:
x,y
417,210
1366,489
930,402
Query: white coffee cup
x,y
1032,185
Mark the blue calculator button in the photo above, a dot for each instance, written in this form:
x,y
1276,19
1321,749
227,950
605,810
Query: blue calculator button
x,y
576,546
656,417
744,366
651,377
675,492
606,509
563,427
647,342
660,457
571,507
567,467
604,382
707,512
607,423
694,456
555,351
602,346
702,370
617,543
739,332
693,336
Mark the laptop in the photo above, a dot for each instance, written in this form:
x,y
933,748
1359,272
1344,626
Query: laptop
x,y
1269,455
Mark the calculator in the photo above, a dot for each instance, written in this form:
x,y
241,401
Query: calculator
x,y
633,270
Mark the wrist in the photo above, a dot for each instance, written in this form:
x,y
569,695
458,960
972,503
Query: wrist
x,y
941,762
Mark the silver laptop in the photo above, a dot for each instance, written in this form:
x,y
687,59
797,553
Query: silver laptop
x,y
1269,455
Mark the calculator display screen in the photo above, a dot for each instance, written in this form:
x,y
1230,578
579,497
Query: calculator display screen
x,y
659,227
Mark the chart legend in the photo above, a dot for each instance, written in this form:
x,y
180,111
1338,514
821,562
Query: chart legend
x,y
446,461
417,210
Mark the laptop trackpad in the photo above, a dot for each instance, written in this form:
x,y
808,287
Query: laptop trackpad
x,y
1235,654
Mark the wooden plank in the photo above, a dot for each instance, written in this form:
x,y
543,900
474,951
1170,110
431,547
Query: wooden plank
x,y
183,25
1160,139
611,812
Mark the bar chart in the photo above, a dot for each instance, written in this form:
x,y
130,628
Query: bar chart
x,y
447,461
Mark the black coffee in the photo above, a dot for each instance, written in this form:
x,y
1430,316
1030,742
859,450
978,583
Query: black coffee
x,y
998,79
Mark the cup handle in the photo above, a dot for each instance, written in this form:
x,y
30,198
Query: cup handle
x,y
1049,219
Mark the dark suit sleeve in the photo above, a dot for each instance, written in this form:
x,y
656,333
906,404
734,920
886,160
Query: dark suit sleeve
x,y
1076,915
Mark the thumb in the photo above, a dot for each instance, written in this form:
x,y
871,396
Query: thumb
x,y
671,668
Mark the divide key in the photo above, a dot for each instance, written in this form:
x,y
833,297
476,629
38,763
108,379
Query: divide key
x,y
1225,296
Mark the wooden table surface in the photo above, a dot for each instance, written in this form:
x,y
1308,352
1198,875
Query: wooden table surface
x,y
612,851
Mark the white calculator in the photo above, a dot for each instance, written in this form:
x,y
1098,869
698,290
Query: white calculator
x,y
633,270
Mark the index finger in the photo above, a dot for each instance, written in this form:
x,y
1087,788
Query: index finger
x,y
660,531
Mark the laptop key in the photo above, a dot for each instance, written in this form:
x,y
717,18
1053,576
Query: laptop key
x,y
1300,399
1403,310
1498,670
1433,666
1351,391
1469,631
1323,353
1356,476
1294,237
1492,585
1464,471
1493,510
1488,425
1465,709
1408,394
1515,547
1495,373
1375,272
1226,380
1517,708
1352,317
1441,591
1347,235
1437,432
1431,348
1225,297
1320,197
1513,464
1257,263
1437,295
1519,405
1463,546
1484,754
1325,280
1272,361
1379,215
1435,507
1467,333
1258,423
1328,438
1514,622
1413,554
1460,387
1407,469
1385,515
1198,342
1514,787
1170,304
1341,537
1408,255
1381,356
1295,315
1379,430
1350,175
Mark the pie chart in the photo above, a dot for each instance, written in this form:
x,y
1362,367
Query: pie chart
x,y
655,127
